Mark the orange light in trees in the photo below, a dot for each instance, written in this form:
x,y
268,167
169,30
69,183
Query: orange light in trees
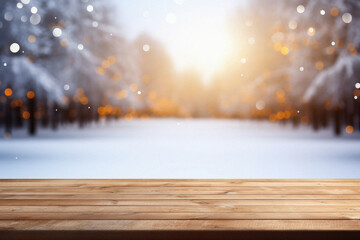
x,y
280,115
129,117
30,94
101,111
105,64
334,12
284,51
122,94
84,100
272,117
8,92
108,109
349,129
319,65
26,115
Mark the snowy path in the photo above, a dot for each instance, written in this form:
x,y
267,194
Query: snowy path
x,y
173,148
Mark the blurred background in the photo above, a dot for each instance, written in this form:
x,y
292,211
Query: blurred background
x,y
179,89
82,61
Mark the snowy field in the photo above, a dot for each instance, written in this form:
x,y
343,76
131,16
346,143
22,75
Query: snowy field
x,y
173,148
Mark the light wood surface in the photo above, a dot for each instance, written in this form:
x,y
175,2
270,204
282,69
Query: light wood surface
x,y
180,205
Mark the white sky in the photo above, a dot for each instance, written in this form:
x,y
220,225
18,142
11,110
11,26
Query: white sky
x,y
199,28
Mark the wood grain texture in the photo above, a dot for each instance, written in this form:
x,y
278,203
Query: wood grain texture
x,y
339,190
114,196
186,225
179,205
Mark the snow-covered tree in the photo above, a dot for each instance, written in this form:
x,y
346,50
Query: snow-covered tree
x,y
27,47
322,42
69,54
299,59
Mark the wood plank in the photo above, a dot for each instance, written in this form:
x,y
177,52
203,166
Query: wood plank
x,y
219,183
114,196
189,225
187,190
184,209
182,202
162,205
183,180
179,216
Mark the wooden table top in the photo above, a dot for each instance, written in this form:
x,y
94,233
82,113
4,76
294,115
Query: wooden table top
x,y
180,205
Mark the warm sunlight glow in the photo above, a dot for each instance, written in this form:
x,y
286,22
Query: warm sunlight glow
x,y
204,50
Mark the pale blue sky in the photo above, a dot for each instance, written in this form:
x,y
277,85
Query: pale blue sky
x,y
196,21
131,13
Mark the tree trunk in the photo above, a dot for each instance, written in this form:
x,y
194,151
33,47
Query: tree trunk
x,y
348,115
55,117
314,117
81,116
8,117
324,117
72,112
32,119
337,121
45,114
19,119
1,114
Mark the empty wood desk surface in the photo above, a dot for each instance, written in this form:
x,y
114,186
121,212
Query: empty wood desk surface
x,y
179,209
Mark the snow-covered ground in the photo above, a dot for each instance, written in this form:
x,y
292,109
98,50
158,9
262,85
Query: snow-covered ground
x,y
173,148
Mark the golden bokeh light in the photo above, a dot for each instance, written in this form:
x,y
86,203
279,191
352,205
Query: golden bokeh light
x,y
284,51
334,12
106,64
26,115
8,92
84,100
349,129
122,94
319,65
30,94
